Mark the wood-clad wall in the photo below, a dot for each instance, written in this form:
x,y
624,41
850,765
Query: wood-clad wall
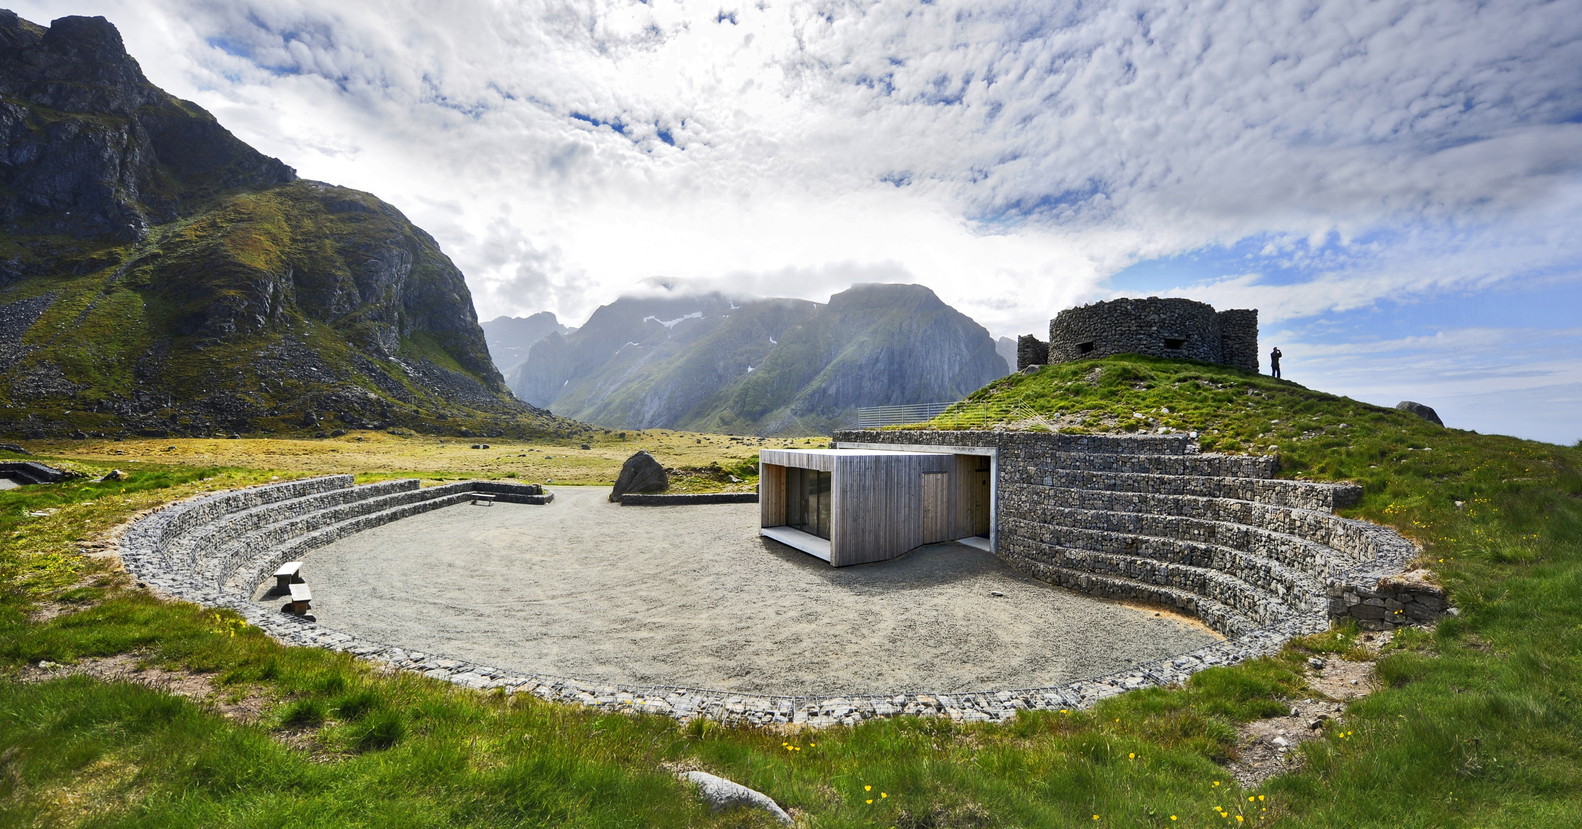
x,y
771,494
879,505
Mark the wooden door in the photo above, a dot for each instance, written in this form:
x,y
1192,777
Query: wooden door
x,y
978,507
936,507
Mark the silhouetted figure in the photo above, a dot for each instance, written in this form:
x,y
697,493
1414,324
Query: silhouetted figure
x,y
1274,361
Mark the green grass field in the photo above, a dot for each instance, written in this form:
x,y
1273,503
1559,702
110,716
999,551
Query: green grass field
x,y
1475,723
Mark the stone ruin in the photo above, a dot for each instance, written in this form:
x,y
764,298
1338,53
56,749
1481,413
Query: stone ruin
x,y
1177,329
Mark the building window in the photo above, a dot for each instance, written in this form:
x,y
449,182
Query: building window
x,y
1175,342
808,501
1084,348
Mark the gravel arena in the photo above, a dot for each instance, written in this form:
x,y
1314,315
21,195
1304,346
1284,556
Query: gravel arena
x,y
692,596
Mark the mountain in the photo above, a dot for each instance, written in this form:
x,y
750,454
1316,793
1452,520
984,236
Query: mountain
x,y
159,276
1006,348
766,366
510,338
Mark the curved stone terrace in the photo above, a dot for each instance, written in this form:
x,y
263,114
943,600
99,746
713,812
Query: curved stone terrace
x,y
684,611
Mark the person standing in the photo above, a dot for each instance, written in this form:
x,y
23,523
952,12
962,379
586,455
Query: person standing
x,y
1274,362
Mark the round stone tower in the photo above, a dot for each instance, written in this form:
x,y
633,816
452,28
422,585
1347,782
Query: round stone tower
x,y
1179,329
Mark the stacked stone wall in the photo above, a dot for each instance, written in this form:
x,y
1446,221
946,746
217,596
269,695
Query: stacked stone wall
x,y
1173,328
31,472
1238,334
1148,518
1031,351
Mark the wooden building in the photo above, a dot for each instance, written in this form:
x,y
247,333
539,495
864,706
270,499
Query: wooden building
x,y
856,506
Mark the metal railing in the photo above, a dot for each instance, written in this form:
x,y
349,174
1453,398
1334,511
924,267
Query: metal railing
x,y
872,417
960,414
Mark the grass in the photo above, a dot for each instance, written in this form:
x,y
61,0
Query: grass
x,y
1476,722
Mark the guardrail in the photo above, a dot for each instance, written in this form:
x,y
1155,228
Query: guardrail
x,y
959,414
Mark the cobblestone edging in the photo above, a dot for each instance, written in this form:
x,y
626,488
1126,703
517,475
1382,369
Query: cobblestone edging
x,y
634,499
1254,569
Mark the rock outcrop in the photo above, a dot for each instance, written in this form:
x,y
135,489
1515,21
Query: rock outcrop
x,y
1425,412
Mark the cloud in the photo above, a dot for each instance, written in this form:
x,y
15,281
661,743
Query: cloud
x,y
1013,156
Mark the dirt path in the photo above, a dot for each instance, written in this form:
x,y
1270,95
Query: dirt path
x,y
692,596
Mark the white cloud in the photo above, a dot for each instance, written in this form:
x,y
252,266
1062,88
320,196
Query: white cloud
x,y
1009,154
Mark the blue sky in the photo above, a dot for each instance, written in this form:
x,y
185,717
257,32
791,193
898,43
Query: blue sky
x,y
1396,186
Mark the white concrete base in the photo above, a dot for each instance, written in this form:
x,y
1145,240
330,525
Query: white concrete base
x,y
977,542
796,539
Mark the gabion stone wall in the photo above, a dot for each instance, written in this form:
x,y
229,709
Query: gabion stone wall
x,y
1180,329
1031,351
1148,518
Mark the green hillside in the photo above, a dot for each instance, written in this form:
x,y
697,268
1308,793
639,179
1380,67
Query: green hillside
x,y
1474,723
261,312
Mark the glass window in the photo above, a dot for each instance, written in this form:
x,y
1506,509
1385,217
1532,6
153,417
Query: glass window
x,y
808,501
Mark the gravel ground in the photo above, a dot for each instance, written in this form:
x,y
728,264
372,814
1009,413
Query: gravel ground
x,y
7,483
692,596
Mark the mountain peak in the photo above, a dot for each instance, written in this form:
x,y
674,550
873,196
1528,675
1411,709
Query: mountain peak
x,y
900,294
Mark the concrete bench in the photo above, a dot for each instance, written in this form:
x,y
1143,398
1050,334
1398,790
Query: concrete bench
x,y
289,573
483,497
301,597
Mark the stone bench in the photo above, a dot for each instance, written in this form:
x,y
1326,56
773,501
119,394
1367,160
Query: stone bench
x,y
289,573
481,498
301,599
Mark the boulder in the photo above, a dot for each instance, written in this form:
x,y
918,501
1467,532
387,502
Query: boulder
x,y
1421,411
640,473
720,793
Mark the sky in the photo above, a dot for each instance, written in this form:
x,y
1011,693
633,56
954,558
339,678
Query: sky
x,y
1395,186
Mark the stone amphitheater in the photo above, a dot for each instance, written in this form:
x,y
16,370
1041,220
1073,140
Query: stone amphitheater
x,y
1140,519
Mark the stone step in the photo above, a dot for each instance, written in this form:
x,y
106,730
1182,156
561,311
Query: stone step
x,y
151,537
1288,550
226,528
1222,618
1222,466
1275,492
1269,579
1348,539
220,563
248,573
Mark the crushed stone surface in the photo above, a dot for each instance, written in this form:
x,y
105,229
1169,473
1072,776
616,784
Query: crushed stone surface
x,y
692,596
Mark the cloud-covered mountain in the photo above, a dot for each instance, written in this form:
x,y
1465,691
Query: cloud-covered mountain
x,y
157,275
510,338
767,366
1006,348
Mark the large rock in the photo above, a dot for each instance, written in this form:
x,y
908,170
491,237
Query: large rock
x,y
720,793
1421,411
640,473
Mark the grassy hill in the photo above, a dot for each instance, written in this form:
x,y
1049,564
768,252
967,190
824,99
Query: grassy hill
x,y
266,311
1474,723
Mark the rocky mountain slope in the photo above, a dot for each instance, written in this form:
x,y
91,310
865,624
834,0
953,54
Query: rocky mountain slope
x,y
159,276
766,366
510,338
